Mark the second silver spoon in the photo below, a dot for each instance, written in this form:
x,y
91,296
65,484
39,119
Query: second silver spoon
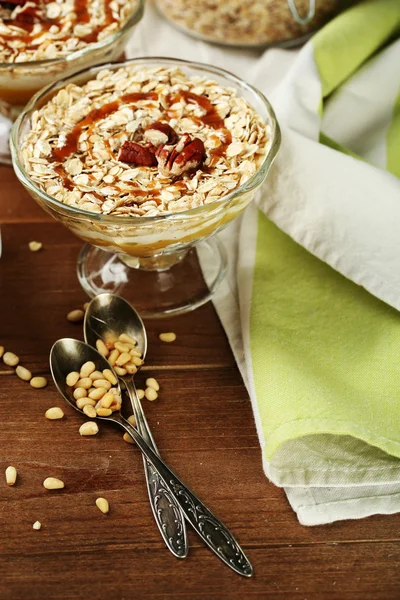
x,y
107,317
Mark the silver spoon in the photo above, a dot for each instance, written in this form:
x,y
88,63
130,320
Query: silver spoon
x,y
108,316
69,355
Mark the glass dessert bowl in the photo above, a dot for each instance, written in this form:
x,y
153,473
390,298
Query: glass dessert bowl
x,y
251,23
39,43
168,154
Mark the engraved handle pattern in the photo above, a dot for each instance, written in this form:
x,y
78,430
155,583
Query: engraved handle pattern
x,y
167,513
208,526
212,530
166,510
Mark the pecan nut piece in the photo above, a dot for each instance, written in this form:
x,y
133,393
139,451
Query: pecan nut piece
x,y
136,154
159,133
186,155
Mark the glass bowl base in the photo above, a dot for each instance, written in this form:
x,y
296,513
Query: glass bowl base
x,y
155,293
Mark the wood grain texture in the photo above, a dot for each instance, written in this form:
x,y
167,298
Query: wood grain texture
x,y
204,427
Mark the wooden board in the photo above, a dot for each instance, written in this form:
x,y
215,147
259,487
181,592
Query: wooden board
x,y
204,427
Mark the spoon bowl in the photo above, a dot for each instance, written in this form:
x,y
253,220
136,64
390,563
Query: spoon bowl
x,y
108,314
69,355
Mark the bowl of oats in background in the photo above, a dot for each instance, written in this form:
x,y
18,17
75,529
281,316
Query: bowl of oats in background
x,y
146,160
42,41
251,23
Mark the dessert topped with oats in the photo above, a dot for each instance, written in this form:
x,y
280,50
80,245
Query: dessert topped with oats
x,y
144,141
33,30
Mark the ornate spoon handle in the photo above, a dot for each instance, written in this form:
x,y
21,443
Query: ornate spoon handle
x,y
166,510
210,529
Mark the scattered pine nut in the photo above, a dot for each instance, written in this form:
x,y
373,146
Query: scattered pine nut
x,y
54,413
38,382
151,394
167,337
52,483
72,378
96,375
109,375
112,359
35,246
140,394
1,351
80,393
120,371
102,504
107,400
84,383
122,347
89,428
103,412
37,525
23,373
82,402
127,438
102,348
104,383
152,383
10,359
123,358
76,316
134,352
89,410
87,369
97,393
127,339
11,475
86,306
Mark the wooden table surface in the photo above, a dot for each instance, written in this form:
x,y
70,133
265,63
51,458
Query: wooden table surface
x,y
204,427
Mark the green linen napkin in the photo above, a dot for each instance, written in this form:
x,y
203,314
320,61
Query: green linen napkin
x,y
325,353
321,352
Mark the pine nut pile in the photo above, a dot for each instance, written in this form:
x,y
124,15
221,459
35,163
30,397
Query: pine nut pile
x,y
94,391
121,353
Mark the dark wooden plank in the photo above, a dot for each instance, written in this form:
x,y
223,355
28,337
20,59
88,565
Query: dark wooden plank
x,y
42,287
204,426
15,203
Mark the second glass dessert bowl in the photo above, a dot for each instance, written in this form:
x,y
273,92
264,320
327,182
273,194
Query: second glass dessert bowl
x,y
153,261
20,80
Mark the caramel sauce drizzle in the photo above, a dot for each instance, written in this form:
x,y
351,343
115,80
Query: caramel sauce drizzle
x,y
211,118
82,15
95,115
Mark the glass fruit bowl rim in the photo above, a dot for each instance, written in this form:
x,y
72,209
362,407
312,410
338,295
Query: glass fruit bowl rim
x,y
107,41
256,179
